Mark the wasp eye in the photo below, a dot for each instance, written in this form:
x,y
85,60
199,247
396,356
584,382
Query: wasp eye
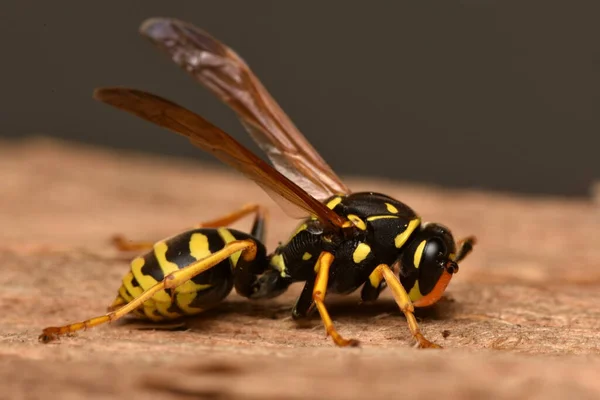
x,y
430,260
434,249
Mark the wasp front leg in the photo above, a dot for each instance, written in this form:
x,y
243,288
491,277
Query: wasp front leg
x,y
258,227
405,304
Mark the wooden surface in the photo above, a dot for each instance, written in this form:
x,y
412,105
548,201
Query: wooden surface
x,y
523,313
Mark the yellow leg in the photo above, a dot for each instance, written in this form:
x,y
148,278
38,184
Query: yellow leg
x,y
171,281
229,219
405,305
325,261
123,244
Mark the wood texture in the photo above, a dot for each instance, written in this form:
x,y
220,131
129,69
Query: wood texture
x,y
523,313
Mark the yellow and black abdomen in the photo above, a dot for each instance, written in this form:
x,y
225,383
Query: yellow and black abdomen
x,y
194,296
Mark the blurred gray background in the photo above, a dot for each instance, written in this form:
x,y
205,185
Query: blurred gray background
x,y
483,94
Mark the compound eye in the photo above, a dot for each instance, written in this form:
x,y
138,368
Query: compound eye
x,y
434,250
431,265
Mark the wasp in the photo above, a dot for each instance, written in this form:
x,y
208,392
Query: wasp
x,y
346,239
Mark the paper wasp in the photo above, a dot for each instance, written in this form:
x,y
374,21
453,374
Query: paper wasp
x,y
347,240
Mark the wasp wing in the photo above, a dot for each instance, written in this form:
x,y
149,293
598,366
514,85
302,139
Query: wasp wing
x,y
222,71
212,139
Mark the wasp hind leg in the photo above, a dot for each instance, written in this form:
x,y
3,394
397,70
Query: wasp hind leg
x,y
248,249
258,228
159,324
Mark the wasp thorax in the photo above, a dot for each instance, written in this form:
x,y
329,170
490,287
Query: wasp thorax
x,y
429,255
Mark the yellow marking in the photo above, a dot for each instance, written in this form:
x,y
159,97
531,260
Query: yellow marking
x,y
145,281
119,301
167,267
391,208
134,291
361,252
334,202
415,292
306,256
199,246
185,289
163,309
359,223
419,253
191,287
160,252
184,300
137,264
152,314
123,293
227,238
279,264
403,237
452,256
375,278
347,224
376,217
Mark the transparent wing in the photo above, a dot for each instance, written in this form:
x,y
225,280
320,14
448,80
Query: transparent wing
x,y
212,139
222,71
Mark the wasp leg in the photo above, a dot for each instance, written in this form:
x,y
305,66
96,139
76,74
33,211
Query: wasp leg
x,y
305,303
248,250
405,305
373,287
319,291
465,246
123,244
258,228
376,284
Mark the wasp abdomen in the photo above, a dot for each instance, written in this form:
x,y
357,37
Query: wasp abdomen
x,y
194,296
